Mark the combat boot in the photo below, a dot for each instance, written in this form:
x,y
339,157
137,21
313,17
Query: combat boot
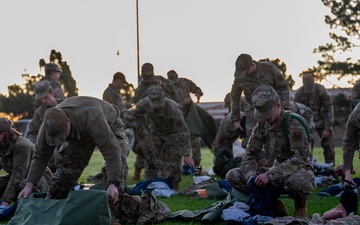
x,y
137,174
279,209
300,209
175,186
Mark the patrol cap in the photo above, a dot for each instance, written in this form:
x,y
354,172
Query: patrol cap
x,y
243,63
42,89
264,99
172,75
121,76
5,124
156,96
52,67
55,121
308,83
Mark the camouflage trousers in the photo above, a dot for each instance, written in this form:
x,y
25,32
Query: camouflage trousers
x,y
327,145
168,158
299,184
195,149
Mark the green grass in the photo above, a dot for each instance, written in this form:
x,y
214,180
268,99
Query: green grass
x,y
316,204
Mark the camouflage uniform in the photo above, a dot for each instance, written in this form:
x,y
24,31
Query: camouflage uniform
x,y
113,96
15,159
266,73
183,88
307,114
320,102
351,137
170,136
58,92
94,123
291,170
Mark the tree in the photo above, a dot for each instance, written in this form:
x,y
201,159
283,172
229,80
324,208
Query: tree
x,y
337,55
19,101
282,67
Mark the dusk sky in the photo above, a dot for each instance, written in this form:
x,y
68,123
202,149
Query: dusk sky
x,y
200,39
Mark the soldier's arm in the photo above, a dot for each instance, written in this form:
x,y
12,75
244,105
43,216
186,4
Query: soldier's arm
x,y
282,88
195,89
351,137
236,91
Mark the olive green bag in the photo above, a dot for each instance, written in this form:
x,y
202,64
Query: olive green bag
x,y
80,207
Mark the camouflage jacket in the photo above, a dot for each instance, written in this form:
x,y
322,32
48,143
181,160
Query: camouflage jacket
x,y
171,120
168,87
351,137
184,88
320,103
267,73
92,120
15,160
356,89
58,92
305,112
287,157
113,96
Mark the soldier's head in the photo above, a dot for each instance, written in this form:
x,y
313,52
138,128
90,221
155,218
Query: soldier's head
x,y
44,93
243,65
266,102
156,96
5,127
147,71
119,80
308,83
172,76
56,126
52,70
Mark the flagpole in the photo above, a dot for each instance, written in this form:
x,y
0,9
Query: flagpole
x,y
137,42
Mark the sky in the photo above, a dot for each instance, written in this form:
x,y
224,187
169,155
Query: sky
x,y
200,39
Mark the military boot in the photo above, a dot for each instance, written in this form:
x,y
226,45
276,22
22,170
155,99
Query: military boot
x,y
300,209
279,209
175,186
137,174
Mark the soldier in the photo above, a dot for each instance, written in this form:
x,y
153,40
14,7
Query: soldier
x,y
15,158
169,133
353,96
249,75
318,99
183,88
148,79
52,74
288,145
45,93
78,125
112,92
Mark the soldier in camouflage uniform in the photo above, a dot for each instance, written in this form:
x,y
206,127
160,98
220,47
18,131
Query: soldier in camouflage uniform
x,y
112,92
148,79
318,99
353,96
78,125
15,158
249,75
183,88
44,93
288,145
170,135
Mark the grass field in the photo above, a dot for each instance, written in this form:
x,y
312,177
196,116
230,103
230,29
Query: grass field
x,y
316,204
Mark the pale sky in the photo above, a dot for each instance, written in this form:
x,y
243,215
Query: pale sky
x,y
200,39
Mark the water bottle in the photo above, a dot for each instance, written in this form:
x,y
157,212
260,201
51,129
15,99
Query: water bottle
x,y
349,198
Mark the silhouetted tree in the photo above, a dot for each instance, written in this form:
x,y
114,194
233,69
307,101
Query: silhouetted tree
x,y
337,60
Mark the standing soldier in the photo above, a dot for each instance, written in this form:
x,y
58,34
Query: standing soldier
x,y
318,99
249,75
183,88
169,133
52,74
112,92
285,135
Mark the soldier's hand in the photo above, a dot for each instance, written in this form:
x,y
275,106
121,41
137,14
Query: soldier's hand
x,y
27,190
189,161
114,193
237,125
325,134
262,179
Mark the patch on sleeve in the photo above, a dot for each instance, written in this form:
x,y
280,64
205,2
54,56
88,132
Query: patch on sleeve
x,y
297,136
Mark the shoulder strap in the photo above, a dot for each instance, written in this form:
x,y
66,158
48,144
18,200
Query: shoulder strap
x,y
300,119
